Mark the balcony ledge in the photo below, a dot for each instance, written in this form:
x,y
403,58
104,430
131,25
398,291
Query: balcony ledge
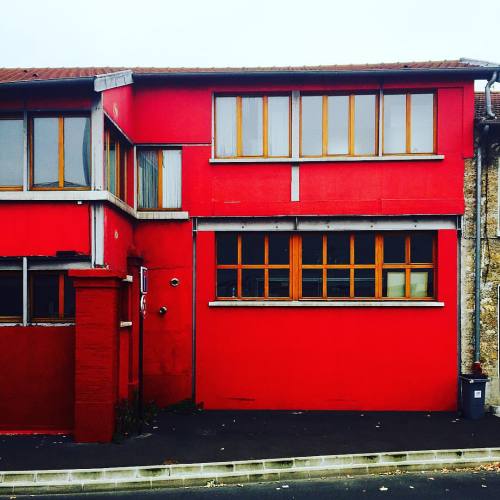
x,y
330,159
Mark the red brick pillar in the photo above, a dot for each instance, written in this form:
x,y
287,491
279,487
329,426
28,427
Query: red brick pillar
x,y
96,353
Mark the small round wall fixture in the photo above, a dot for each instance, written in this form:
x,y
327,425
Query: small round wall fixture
x,y
175,281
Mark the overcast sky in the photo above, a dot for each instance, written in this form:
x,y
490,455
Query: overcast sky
x,y
244,33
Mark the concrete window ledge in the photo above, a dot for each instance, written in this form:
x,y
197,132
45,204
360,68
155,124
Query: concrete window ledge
x,y
319,303
331,159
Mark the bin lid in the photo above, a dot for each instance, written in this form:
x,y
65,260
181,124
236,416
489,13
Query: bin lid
x,y
472,379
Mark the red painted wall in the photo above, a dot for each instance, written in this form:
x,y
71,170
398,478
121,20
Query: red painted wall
x,y
340,358
44,228
168,114
118,105
36,378
167,252
118,238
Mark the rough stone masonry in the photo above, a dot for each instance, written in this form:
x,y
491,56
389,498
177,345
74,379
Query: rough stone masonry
x,y
490,267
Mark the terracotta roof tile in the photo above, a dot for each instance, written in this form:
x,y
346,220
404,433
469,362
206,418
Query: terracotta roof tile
x,y
10,75
479,108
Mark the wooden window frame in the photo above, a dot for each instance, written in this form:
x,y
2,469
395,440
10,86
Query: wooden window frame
x,y
61,291
121,151
296,266
159,205
14,116
265,126
12,319
351,125
408,95
31,131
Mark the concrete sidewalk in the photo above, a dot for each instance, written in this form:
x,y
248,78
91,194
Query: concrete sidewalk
x,y
216,436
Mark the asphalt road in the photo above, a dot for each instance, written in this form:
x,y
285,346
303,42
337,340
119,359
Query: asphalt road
x,y
470,485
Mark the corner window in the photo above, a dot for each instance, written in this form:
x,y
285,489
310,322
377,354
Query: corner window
x,y
409,123
252,126
60,152
338,125
115,161
11,296
159,179
12,148
361,265
52,297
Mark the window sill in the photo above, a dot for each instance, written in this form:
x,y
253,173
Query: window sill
x,y
324,303
162,215
330,159
58,324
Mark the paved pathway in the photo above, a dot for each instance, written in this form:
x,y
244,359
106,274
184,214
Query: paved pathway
x,y
222,436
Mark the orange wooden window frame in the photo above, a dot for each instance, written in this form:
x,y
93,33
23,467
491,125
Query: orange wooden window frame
x,y
296,266
61,297
351,125
60,153
12,319
265,127
121,150
408,96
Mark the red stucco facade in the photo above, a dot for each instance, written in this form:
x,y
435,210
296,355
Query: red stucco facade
x,y
69,378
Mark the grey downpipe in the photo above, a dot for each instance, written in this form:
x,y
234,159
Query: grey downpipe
x,y
487,96
477,273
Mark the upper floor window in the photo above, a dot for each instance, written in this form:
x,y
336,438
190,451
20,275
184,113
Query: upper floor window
x,y
159,178
339,125
361,265
11,148
252,126
60,152
115,160
409,123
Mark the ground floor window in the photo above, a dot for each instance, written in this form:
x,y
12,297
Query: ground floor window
x,y
51,296
360,265
11,296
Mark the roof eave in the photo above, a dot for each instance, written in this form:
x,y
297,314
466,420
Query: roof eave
x,y
86,81
476,73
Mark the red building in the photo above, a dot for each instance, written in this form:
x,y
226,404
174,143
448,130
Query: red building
x,y
299,225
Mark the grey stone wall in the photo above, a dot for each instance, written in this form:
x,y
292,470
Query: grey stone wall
x,y
490,271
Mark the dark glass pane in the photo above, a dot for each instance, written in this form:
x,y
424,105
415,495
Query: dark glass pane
x,y
394,248
226,282
422,283
252,248
252,282
279,283
11,157
11,294
312,248
45,302
364,248
338,251
364,282
76,152
338,282
46,152
393,283
279,248
69,298
421,247
312,283
227,248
